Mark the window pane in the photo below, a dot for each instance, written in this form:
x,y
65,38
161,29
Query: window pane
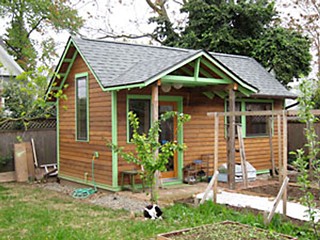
x,y
257,125
141,107
82,120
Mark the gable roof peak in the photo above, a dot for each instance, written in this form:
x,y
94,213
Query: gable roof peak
x,y
185,50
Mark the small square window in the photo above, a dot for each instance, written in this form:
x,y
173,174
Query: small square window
x,y
257,125
141,107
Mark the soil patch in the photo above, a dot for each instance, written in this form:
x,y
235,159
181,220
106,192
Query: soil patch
x,y
219,230
293,192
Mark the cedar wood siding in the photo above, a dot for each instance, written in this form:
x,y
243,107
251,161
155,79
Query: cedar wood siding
x,y
75,157
199,131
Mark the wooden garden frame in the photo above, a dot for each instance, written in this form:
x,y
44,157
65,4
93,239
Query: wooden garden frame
x,y
281,117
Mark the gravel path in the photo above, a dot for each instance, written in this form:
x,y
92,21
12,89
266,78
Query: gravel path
x,y
105,199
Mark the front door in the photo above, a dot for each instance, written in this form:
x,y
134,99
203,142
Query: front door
x,y
168,133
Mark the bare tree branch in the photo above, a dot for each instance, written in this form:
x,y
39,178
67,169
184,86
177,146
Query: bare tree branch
x,y
129,36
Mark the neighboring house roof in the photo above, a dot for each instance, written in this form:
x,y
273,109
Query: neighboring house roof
x,y
9,66
121,64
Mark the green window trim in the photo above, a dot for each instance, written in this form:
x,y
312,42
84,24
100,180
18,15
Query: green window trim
x,y
243,117
179,101
77,78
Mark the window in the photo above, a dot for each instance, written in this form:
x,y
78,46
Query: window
x,y
82,107
141,107
257,125
252,125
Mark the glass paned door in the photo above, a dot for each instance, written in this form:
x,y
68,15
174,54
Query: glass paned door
x,y
168,134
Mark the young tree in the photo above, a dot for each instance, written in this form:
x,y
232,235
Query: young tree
x,y
27,17
149,152
308,176
237,27
25,98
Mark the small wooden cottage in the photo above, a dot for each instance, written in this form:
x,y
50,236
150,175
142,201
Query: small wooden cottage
x,y
107,79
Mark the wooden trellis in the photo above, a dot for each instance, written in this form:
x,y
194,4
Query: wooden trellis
x,y
277,116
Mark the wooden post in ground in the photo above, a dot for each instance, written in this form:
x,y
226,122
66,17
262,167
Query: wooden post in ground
x,y
216,154
242,157
271,146
155,117
231,140
268,218
285,159
279,148
206,192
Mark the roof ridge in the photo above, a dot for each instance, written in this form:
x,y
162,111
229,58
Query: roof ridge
x,y
231,55
134,44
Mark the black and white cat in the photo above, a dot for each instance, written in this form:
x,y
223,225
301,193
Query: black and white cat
x,y
152,212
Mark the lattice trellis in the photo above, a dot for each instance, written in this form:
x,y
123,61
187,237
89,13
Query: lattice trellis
x,y
49,123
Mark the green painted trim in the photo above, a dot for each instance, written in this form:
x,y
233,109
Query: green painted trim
x,y
244,91
192,80
67,60
263,171
175,182
179,101
221,94
209,95
114,122
196,69
81,75
188,71
58,133
229,73
58,68
180,140
68,69
175,67
138,85
79,180
88,65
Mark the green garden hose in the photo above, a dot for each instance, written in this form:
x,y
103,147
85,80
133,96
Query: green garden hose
x,y
86,192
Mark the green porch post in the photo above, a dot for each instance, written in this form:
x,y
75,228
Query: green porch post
x,y
114,123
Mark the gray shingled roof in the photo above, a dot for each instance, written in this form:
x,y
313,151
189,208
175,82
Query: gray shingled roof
x,y
117,64
252,72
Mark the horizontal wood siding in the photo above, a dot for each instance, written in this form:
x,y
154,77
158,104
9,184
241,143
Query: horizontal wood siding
x,y
199,132
75,157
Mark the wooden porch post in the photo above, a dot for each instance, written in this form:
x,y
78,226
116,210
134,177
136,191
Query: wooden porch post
x,y
155,117
279,149
216,154
231,140
285,160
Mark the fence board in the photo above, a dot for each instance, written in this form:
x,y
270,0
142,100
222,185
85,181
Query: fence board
x,y
296,137
45,144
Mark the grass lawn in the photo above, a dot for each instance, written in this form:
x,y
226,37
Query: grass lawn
x,y
30,212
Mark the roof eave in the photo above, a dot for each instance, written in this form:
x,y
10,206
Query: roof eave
x,y
274,96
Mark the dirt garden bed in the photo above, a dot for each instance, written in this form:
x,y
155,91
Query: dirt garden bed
x,y
271,190
219,230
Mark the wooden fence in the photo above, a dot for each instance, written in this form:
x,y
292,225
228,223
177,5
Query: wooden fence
x,y
296,137
45,144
